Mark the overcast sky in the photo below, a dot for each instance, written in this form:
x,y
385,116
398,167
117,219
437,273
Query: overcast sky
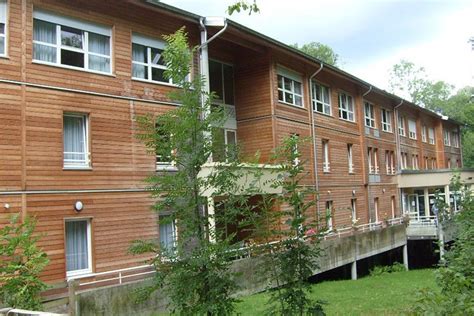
x,y
369,35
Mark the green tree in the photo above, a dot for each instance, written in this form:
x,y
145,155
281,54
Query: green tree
x,y
455,275
243,6
320,51
21,265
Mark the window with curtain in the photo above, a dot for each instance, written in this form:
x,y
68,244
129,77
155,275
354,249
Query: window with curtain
x,y
346,107
167,233
78,252
73,43
431,136
147,59
447,138
321,98
401,125
3,27
369,114
412,129
75,139
386,120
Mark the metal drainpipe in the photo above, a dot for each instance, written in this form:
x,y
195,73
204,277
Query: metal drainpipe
x,y
315,151
397,136
365,151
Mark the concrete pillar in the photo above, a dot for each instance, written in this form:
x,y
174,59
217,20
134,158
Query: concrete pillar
x,y
354,270
427,203
211,219
405,256
446,194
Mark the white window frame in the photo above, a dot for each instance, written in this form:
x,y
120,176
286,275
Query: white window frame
x,y
222,97
423,134
369,113
74,273
326,163
283,74
404,160
386,118
350,158
414,161
174,230
376,209
85,27
392,205
376,161
4,20
401,126
388,158
325,107
346,106
329,215
370,159
455,138
447,138
86,147
354,210
412,129
431,136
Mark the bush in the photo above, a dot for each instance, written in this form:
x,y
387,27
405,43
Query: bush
x,y
381,270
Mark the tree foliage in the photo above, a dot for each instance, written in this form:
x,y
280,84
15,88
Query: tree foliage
x,y
455,276
320,51
21,265
243,6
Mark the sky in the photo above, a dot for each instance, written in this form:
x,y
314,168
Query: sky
x,y
370,36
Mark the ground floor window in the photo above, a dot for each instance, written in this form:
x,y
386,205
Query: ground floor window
x,y
78,247
167,233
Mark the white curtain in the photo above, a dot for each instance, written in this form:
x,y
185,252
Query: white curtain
x,y
74,140
167,235
44,32
139,54
99,44
77,252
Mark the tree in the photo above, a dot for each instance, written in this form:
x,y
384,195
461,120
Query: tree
x,y
320,51
20,271
245,6
455,276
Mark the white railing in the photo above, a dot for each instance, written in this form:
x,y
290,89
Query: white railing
x,y
425,221
19,312
369,226
395,221
338,232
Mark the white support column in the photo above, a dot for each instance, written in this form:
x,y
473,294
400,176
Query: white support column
x,y
354,270
427,203
211,218
405,256
446,194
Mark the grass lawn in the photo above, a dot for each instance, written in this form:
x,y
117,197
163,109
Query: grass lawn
x,y
389,294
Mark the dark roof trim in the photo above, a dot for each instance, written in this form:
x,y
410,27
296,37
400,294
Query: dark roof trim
x,y
195,18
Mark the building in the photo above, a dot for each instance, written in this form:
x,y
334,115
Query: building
x,y
74,75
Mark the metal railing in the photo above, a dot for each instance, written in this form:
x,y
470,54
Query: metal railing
x,y
395,221
424,221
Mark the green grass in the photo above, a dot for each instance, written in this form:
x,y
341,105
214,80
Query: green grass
x,y
388,294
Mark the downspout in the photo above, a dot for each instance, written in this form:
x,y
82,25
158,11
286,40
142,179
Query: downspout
x,y
315,150
399,154
364,154
368,91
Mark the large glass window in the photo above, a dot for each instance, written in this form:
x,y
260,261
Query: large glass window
x,y
290,88
346,107
321,98
369,114
72,43
75,139
221,82
167,233
147,59
78,247
412,129
3,27
386,120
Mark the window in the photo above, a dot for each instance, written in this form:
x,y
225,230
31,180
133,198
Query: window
x,y
401,125
290,88
321,98
72,43
372,158
431,136
376,209
455,138
326,165
221,82
376,161
354,211
433,163
147,59
423,134
224,145
3,27
75,138
167,233
350,159
329,215
164,159
392,204
386,120
404,160
390,162
295,151
346,107
447,139
414,161
425,160
78,247
412,129
369,114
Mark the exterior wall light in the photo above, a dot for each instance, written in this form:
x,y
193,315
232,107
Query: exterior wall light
x,y
78,206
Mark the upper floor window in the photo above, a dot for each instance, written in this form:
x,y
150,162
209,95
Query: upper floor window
x,y
326,165
404,160
72,43
346,107
431,136
369,114
321,98
447,138
386,120
350,158
412,129
372,157
147,59
390,162
76,141
3,27
423,134
221,82
455,138
414,161
290,87
401,126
